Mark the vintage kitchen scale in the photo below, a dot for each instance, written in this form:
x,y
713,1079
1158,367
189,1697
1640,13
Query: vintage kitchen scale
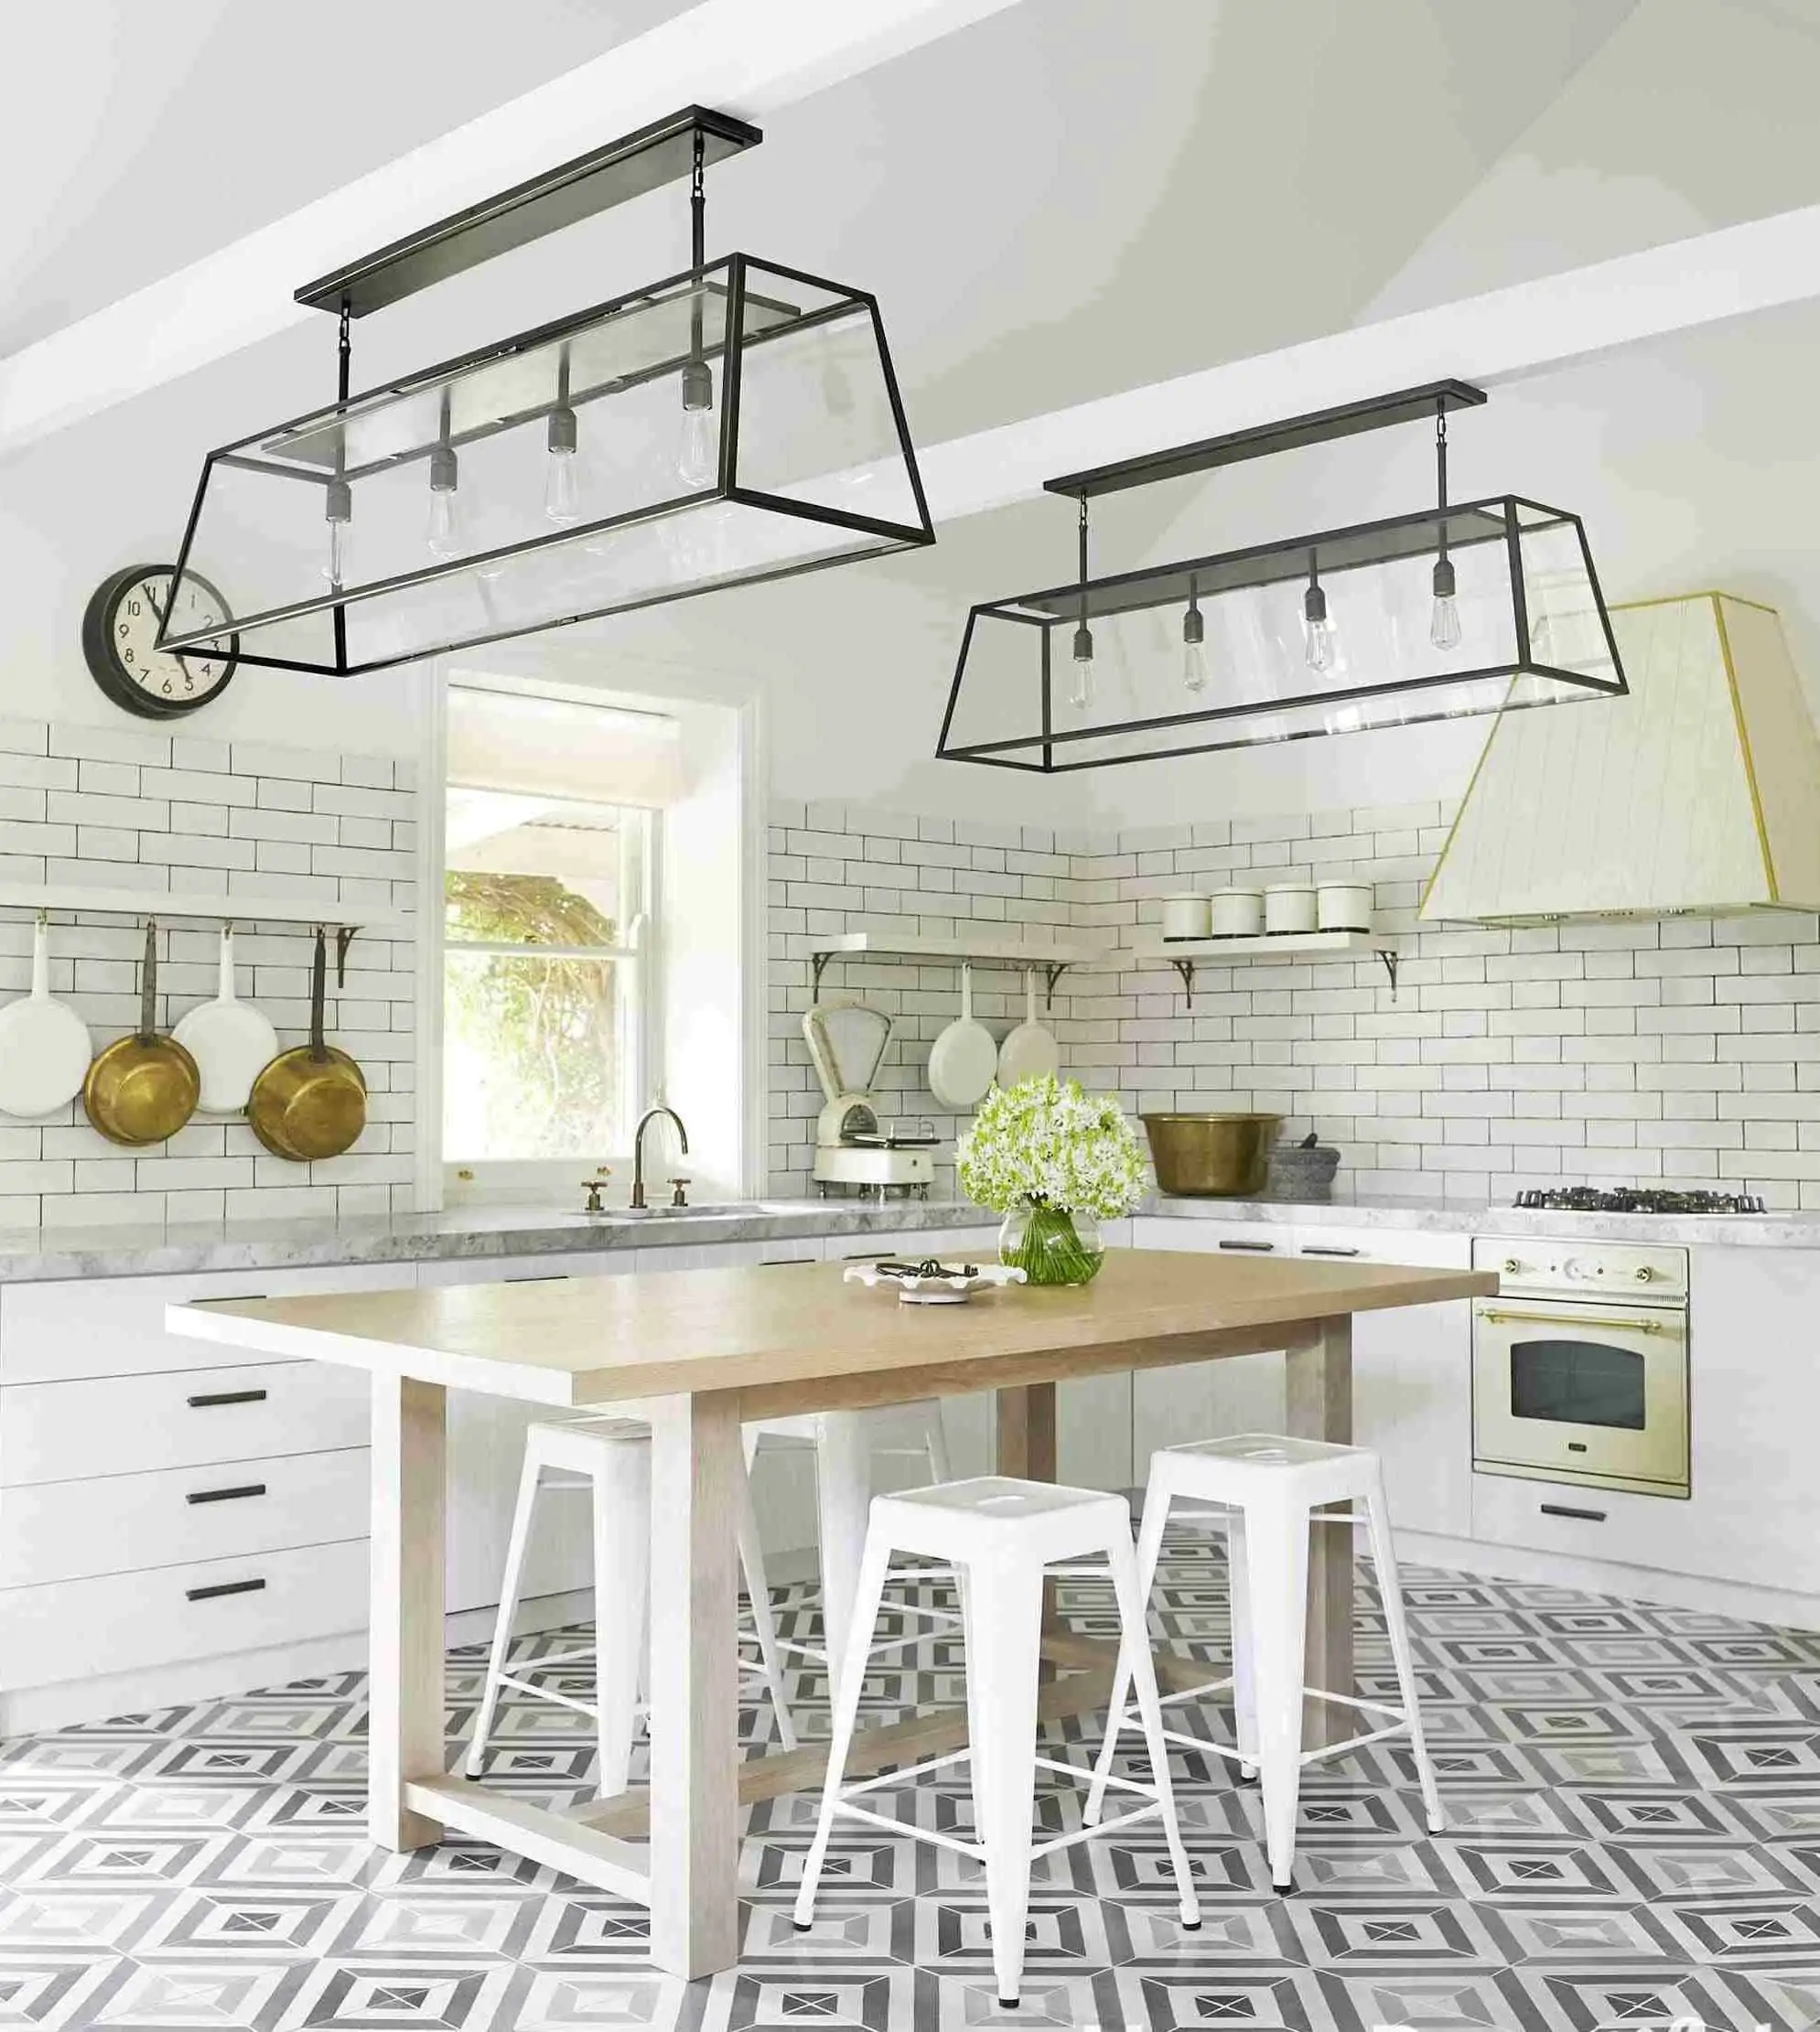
x,y
854,1146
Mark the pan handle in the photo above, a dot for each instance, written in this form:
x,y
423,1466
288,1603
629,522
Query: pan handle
x,y
317,988
148,984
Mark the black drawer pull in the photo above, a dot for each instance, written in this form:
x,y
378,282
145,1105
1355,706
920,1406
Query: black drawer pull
x,y
1566,1510
223,1588
540,1278
226,1397
238,1298
1320,1248
1263,1248
225,1495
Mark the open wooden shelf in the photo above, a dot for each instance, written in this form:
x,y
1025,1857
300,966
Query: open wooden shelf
x,y
213,909
1186,954
1053,956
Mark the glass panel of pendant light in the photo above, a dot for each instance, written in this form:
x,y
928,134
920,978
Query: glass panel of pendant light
x,y
1328,634
628,455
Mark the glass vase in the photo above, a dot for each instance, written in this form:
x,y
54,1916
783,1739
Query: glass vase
x,y
1050,1245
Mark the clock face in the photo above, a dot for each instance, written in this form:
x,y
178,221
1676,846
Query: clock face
x,y
120,631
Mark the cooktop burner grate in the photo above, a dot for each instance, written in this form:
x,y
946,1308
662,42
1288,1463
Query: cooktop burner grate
x,y
1637,1199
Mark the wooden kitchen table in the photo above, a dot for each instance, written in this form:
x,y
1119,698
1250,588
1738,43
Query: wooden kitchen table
x,y
703,1351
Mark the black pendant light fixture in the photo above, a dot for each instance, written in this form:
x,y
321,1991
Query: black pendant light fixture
x,y
737,422
1454,611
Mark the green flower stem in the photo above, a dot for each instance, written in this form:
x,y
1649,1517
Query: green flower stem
x,y
1052,1251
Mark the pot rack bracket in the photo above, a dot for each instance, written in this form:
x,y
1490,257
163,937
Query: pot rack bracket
x,y
1050,961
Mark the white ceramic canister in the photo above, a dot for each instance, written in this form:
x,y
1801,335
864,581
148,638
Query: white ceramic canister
x,y
1289,907
1344,906
1185,916
1237,913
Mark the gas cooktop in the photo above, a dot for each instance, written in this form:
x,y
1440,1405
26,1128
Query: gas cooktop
x,y
1637,1199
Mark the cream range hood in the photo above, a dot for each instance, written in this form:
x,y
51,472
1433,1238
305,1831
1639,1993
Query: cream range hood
x,y
1698,793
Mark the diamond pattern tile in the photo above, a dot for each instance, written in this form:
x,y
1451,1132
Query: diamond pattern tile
x,y
1633,1798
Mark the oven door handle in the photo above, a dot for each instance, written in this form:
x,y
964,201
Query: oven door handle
x,y
1499,1314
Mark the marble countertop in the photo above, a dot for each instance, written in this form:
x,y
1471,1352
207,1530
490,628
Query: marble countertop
x,y
460,1234
1493,1217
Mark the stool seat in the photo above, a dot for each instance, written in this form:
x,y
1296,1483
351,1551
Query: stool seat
x,y
1270,1490
999,1536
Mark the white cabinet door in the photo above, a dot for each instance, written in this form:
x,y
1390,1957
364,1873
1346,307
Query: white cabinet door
x,y
1201,1399
486,1451
1412,1378
1411,1368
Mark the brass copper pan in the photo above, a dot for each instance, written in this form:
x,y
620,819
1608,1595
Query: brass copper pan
x,y
1211,1155
143,1088
312,1101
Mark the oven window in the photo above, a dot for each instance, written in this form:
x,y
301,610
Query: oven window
x,y
1577,1382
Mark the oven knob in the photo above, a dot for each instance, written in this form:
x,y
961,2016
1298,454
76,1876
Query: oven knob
x,y
1511,1266
1644,1273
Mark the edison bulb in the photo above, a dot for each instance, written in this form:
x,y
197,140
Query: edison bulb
x,y
338,511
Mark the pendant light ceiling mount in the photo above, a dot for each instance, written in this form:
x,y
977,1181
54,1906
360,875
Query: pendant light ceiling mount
x,y
1208,653
737,422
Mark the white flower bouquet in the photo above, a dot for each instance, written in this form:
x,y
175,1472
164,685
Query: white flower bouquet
x,y
1055,1161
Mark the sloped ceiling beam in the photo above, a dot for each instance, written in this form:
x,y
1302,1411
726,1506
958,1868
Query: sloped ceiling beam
x,y
752,58
1506,335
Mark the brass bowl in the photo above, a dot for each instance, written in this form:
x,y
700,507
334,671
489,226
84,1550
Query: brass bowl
x,y
1213,1156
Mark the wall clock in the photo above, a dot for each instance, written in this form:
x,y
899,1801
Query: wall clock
x,y
121,626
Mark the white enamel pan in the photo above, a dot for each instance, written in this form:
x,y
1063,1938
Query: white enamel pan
x,y
964,1059
44,1047
1029,1052
230,1041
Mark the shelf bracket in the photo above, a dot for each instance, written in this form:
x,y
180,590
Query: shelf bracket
x,y
1186,969
818,966
1389,958
1052,972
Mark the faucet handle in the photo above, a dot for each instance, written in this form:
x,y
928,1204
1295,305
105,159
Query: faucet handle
x,y
679,1195
594,1187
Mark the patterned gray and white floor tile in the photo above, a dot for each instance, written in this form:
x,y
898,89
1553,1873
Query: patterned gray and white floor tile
x,y
1633,1795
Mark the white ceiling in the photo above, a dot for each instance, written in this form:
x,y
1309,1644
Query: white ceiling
x,y
149,135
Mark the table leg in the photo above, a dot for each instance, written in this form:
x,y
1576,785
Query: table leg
x,y
844,1495
1319,1403
1026,1435
1025,1446
694,1750
405,1724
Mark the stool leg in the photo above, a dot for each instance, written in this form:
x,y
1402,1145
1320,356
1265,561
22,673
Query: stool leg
x,y
1149,1552
1390,1589
1277,1569
843,1483
874,1563
752,1561
1136,1666
621,1584
510,1583
1005,1654
1244,1695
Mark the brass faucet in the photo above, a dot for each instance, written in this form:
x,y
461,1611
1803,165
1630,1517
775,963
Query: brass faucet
x,y
645,1121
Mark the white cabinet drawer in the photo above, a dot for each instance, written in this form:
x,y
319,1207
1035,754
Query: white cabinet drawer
x,y
72,1530
526,1269
127,1424
115,1326
1589,1523
81,1629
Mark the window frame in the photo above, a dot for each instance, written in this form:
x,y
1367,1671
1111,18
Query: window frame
x,y
467,1180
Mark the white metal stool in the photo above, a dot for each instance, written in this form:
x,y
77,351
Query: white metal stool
x,y
1272,1490
610,1457
1001,1537
845,1444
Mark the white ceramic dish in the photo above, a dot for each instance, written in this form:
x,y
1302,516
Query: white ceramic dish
x,y
44,1047
1029,1052
963,1060
231,1041
1289,907
934,1284
1236,913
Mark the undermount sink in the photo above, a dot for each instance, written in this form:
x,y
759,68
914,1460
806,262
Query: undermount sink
x,y
706,1210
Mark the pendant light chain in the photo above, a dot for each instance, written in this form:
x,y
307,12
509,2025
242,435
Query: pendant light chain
x,y
1443,616
1080,695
